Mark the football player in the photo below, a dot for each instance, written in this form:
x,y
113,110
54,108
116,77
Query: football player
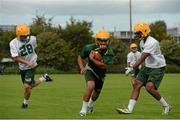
x,y
131,60
152,73
94,70
22,49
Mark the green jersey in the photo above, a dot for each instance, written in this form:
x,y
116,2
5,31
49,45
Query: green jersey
x,y
107,58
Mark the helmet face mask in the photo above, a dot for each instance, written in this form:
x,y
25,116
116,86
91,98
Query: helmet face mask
x,y
24,38
102,39
138,35
134,49
103,42
103,45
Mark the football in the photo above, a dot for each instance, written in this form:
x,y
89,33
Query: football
x,y
97,56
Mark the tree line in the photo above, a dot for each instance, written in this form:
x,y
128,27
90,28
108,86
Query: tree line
x,y
58,47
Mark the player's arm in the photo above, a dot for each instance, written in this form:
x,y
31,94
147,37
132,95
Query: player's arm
x,y
140,60
99,64
22,60
81,64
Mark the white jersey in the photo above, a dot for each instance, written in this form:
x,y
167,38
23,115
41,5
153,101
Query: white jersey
x,y
25,50
155,59
133,57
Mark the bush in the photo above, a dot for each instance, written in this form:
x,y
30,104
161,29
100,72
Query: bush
x,y
40,70
116,68
50,70
172,69
11,70
111,69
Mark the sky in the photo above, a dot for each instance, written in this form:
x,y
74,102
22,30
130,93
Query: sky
x,y
108,14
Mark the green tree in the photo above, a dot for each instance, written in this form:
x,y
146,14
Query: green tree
x,y
169,47
120,51
77,34
5,38
54,51
42,24
159,30
171,51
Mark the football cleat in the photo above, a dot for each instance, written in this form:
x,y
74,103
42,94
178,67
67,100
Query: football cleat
x,y
166,110
90,109
24,106
47,77
82,114
123,111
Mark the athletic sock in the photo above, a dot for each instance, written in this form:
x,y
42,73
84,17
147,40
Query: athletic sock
x,y
84,107
25,101
131,104
91,102
163,102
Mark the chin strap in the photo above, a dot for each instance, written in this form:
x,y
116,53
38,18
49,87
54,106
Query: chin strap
x,y
102,49
26,40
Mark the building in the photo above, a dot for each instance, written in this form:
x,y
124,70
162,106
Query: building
x,y
122,35
8,28
175,33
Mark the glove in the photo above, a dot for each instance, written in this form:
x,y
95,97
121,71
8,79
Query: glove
x,y
128,70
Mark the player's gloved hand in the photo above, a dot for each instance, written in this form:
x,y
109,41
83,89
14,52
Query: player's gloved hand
x,y
128,70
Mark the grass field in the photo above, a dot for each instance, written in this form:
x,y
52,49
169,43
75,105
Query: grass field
x,y
62,98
